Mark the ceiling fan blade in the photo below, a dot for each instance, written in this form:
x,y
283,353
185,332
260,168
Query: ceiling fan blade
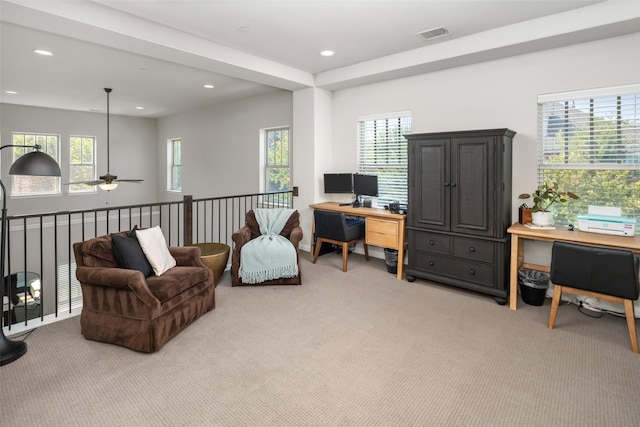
x,y
101,181
137,181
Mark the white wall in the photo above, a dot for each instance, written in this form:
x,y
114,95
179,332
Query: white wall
x,y
220,145
132,144
221,140
312,149
493,94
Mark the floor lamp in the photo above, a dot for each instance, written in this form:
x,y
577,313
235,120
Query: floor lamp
x,y
32,163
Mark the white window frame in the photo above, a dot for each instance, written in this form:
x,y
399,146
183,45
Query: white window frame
x,y
268,165
588,141
30,139
384,154
173,165
82,188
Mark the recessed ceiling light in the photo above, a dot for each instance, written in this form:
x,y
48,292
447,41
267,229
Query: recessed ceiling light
x,y
139,108
11,92
42,52
209,86
327,53
243,29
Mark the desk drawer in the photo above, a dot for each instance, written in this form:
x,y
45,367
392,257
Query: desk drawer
x,y
381,232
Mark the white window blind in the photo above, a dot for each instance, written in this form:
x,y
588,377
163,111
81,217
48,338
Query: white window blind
x,y
382,151
69,288
589,142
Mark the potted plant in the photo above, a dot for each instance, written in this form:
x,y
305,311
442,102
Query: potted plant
x,y
545,196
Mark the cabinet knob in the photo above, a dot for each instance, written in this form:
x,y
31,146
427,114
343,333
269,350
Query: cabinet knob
x,y
431,242
472,249
446,184
453,184
472,271
431,263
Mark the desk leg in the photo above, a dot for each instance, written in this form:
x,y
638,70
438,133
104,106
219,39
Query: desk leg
x,y
516,252
400,261
313,234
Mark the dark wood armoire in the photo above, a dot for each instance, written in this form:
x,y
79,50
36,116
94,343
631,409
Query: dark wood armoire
x,y
460,208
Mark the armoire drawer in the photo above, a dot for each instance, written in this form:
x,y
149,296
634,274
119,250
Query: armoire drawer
x,y
432,242
457,268
479,250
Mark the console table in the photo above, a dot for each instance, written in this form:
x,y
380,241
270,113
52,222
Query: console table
x,y
382,228
520,233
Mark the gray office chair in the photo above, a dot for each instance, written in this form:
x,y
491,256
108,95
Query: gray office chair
x,y
333,227
603,273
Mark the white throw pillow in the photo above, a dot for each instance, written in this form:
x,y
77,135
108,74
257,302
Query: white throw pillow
x,y
155,248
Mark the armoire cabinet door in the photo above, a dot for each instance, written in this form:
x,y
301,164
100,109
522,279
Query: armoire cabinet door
x,y
473,185
429,184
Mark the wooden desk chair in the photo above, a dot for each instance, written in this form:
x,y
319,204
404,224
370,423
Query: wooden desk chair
x,y
332,227
603,273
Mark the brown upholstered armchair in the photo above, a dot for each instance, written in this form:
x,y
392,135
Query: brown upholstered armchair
x,y
251,230
121,306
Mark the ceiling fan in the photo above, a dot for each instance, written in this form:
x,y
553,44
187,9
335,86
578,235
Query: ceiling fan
x,y
107,182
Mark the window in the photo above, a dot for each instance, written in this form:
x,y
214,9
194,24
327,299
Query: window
x,y
174,155
35,185
589,142
278,160
68,288
382,151
82,163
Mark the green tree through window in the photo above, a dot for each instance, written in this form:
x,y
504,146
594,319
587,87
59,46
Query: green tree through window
x,y
591,146
278,168
82,163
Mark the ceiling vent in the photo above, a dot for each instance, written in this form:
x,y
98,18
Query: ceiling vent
x,y
434,33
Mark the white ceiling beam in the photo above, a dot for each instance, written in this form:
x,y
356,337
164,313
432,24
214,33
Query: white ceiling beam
x,y
98,24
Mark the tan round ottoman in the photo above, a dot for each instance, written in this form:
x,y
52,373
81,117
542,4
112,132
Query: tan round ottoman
x,y
214,256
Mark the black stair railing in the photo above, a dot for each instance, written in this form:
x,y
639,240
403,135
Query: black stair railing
x,y
40,284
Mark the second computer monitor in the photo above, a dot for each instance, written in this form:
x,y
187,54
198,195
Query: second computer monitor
x,y
338,183
365,185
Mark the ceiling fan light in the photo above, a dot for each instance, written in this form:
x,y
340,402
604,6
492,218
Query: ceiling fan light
x,y
108,186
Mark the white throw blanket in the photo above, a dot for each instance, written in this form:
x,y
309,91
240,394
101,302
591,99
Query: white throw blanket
x,y
269,256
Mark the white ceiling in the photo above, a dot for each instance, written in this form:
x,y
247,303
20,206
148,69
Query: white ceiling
x,y
159,53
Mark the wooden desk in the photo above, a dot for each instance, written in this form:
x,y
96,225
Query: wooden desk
x,y
519,233
382,228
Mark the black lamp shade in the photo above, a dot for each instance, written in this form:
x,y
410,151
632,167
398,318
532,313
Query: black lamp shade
x,y
35,163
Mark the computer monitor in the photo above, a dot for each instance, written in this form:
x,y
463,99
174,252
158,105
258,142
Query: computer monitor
x,y
365,185
338,183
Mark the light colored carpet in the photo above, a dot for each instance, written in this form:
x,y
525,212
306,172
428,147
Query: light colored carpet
x,y
344,349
